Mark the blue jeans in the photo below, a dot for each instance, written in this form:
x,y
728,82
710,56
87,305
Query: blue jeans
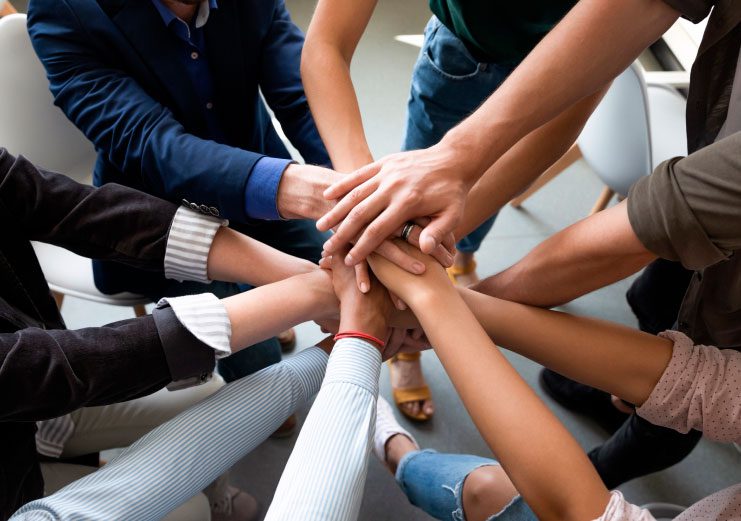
x,y
434,483
299,238
448,84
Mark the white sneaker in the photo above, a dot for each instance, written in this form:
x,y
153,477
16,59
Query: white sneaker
x,y
386,427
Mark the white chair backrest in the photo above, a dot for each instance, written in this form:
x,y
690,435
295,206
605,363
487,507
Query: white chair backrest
x,y
616,141
30,124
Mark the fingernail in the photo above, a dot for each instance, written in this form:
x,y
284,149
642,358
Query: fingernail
x,y
349,261
418,268
363,287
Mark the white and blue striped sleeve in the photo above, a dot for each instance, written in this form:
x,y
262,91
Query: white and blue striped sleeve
x,y
188,245
182,456
325,475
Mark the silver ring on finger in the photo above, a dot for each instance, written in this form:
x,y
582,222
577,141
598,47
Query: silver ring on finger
x,y
407,231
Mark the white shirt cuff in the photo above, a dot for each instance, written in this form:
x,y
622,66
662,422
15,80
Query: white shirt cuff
x,y
206,318
188,245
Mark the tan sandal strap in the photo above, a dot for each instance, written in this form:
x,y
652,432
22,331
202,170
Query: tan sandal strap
x,y
457,271
412,394
407,357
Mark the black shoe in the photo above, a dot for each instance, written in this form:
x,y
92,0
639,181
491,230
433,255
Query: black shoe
x,y
583,399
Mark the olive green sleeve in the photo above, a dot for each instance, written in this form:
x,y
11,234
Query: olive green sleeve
x,y
689,209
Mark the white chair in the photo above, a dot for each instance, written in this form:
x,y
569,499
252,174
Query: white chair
x,y
634,128
31,125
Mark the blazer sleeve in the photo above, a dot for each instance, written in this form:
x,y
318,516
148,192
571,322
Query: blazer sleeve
x,y
283,88
137,134
112,222
48,373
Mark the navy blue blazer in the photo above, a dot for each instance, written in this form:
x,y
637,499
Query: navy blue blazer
x,y
115,71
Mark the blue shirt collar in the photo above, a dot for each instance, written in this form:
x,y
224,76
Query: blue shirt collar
x,y
201,17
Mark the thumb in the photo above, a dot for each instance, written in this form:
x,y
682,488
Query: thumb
x,y
439,228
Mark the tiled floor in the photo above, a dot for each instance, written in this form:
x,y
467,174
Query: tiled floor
x,y
381,72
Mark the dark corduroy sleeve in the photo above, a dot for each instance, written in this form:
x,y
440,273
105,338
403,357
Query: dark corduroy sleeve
x,y
190,361
48,373
689,209
693,10
112,222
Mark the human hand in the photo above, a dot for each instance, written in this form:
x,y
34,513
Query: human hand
x,y
364,312
301,191
412,289
381,197
443,253
402,340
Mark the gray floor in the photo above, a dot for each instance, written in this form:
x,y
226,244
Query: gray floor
x,y
381,72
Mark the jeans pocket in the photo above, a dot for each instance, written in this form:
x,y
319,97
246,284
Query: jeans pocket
x,y
448,56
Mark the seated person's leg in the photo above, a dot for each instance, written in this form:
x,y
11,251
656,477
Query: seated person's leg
x,y
121,424
450,487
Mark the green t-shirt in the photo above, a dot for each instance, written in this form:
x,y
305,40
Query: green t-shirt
x,y
500,31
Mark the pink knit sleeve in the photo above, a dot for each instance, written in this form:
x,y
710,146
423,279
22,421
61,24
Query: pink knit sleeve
x,y
700,389
618,509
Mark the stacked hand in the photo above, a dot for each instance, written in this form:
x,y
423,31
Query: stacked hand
x,y
378,199
370,312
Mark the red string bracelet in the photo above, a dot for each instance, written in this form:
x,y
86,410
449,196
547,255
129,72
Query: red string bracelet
x,y
358,334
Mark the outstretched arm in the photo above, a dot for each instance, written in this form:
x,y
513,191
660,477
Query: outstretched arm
x,y
507,411
334,33
588,255
581,55
324,477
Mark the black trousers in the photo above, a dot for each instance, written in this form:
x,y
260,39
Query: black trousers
x,y
638,447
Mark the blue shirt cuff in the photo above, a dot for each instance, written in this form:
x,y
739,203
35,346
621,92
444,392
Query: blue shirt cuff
x,y
261,190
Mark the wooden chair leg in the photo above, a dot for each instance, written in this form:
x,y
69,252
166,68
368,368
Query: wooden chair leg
x,y
602,201
571,156
58,298
140,310
6,8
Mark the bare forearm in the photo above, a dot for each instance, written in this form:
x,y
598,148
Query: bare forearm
x,y
266,311
333,103
506,411
592,44
524,162
334,33
586,256
615,358
234,257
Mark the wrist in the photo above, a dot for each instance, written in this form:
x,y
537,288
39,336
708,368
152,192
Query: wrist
x,y
461,151
360,318
301,192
